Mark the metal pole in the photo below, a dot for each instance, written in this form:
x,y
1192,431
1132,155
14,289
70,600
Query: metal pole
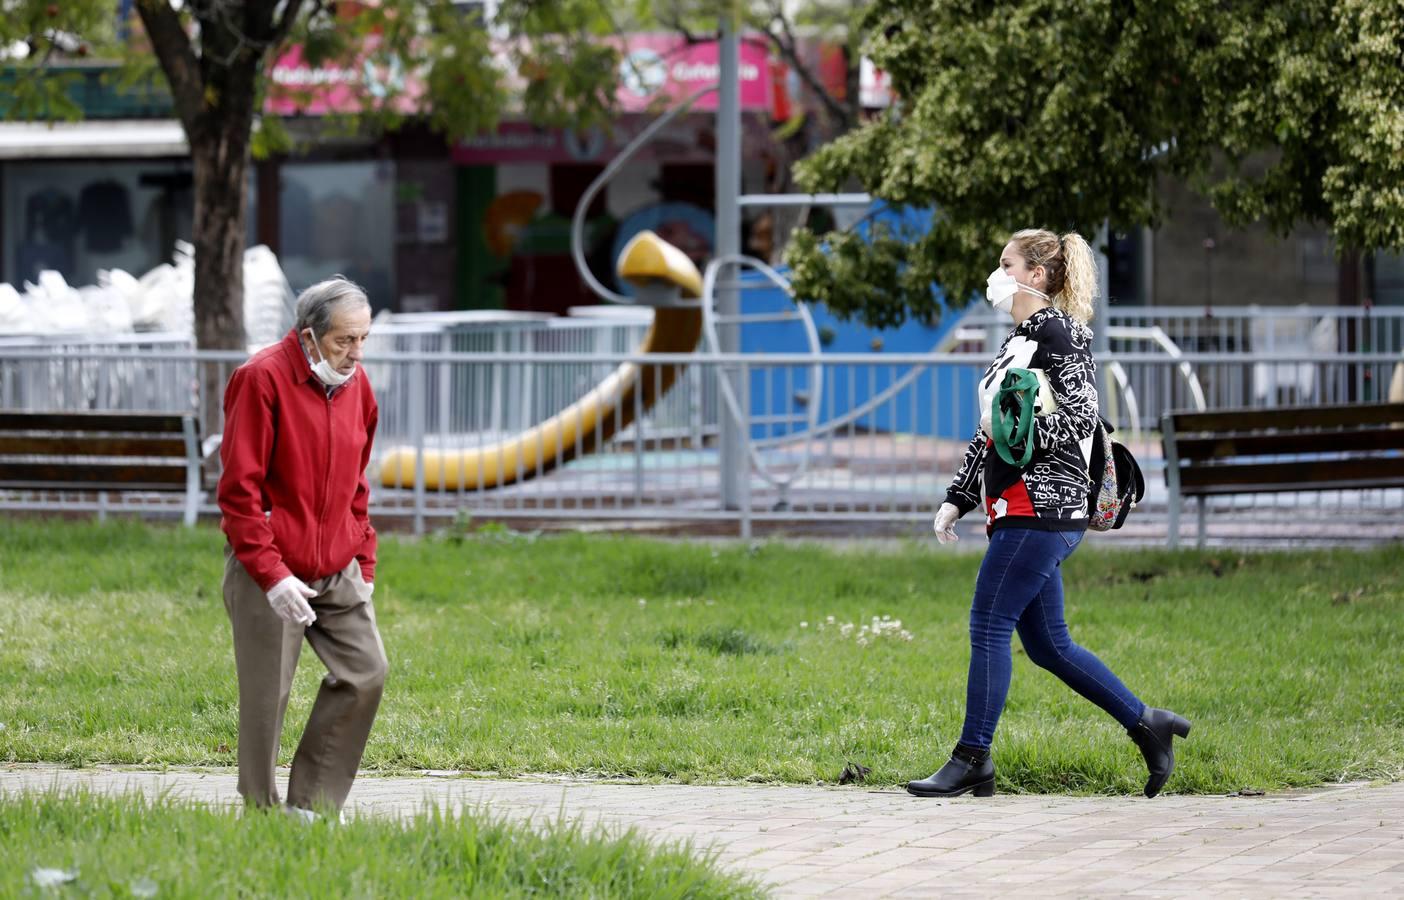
x,y
419,380
1101,344
732,455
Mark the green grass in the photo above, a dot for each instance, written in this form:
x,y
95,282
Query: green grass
x,y
620,657
133,847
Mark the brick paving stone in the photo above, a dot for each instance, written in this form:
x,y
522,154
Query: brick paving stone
x,y
1341,841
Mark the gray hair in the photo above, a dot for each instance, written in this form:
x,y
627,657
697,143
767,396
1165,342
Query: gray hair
x,y
316,305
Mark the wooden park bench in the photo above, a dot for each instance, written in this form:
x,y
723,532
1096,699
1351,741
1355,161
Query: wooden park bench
x,y
1307,448
102,452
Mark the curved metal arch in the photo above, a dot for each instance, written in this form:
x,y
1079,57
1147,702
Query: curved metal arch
x,y
729,400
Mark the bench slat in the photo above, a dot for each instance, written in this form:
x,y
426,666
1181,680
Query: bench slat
x,y
1293,476
1287,417
1216,490
1221,446
85,474
99,445
140,422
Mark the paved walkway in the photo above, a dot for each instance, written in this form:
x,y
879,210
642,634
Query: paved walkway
x,y
1345,841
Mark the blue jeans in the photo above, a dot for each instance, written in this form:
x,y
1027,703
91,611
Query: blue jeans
x,y
1021,586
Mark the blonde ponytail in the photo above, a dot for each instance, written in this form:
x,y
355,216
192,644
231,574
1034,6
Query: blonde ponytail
x,y
1079,294
1072,270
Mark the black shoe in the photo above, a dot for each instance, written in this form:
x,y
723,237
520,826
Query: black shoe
x,y
1154,734
969,770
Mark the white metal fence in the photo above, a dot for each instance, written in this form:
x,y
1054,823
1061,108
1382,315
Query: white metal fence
x,y
891,428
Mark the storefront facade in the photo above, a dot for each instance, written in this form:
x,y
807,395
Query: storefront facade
x,y
429,225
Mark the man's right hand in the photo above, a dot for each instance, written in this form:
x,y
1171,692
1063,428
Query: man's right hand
x,y
289,600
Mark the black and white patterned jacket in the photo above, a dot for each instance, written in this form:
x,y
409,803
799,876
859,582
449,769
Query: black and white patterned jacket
x,y
1050,492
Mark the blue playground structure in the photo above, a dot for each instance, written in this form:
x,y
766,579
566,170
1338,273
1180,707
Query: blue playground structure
x,y
778,400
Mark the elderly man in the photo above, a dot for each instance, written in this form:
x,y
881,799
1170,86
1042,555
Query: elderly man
x,y
300,562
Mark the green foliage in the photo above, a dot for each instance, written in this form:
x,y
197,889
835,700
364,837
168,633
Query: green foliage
x,y
131,846
568,72
1051,114
31,96
695,662
216,58
35,33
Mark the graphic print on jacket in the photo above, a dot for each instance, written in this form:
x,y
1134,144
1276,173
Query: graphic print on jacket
x,y
1051,491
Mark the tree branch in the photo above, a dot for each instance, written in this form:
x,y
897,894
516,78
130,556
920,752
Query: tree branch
x,y
786,44
290,13
675,23
177,56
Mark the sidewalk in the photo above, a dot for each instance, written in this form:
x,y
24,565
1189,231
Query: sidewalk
x,y
1344,841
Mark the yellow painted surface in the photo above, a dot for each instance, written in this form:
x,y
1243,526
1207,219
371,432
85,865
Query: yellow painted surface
x,y
579,429
593,419
647,257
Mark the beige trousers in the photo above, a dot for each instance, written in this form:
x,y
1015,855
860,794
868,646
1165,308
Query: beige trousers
x,y
266,649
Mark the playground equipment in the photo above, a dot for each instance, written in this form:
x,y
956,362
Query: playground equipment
x,y
666,280
1123,392
688,305
798,462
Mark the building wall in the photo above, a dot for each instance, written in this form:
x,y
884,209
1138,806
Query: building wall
x,y
1240,266
426,235
79,216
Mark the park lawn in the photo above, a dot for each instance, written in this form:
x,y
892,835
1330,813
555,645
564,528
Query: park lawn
x,y
76,843
622,657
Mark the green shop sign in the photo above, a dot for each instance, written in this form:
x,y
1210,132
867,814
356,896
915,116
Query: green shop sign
x,y
96,91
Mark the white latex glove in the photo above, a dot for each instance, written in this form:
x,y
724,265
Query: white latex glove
x,y
289,600
944,523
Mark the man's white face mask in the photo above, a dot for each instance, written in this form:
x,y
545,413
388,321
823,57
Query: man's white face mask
x,y
1001,287
323,369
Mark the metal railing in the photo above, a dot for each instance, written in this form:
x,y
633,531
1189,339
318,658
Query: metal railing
x,y
510,399
892,430
1272,329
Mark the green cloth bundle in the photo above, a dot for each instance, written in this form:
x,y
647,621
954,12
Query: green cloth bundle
x,y
1013,416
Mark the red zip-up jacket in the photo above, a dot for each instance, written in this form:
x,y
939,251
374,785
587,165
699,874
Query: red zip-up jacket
x,y
294,494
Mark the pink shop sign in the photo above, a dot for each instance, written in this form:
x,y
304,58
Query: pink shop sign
x,y
687,139
665,67
341,86
656,71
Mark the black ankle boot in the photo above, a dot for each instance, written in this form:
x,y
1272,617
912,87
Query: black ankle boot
x,y
1154,734
969,769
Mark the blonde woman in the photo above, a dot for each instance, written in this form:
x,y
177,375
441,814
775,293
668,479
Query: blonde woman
x,y
1036,515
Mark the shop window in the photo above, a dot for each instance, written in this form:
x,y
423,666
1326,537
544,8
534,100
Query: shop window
x,y
1388,278
339,218
1124,268
79,217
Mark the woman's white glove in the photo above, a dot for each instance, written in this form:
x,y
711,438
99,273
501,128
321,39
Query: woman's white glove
x,y
289,600
944,523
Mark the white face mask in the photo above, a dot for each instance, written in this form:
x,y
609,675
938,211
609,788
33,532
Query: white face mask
x,y
323,369
1001,287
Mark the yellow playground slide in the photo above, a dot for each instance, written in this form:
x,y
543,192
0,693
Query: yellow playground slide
x,y
660,270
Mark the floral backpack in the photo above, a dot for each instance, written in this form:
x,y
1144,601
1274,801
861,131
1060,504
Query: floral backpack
x,y
1117,483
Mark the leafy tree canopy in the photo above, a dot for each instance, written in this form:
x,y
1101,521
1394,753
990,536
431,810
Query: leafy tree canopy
x,y
545,59
1066,115
215,56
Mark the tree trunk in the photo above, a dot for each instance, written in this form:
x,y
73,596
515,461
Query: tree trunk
x,y
220,158
214,87
221,208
